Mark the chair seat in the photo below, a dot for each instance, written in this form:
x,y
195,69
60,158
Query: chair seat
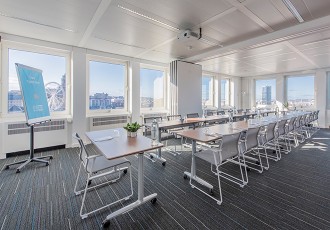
x,y
100,163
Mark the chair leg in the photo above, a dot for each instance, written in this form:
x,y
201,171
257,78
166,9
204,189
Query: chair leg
x,y
220,192
83,216
76,184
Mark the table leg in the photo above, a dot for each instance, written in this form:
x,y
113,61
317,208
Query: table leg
x,y
192,174
141,198
159,151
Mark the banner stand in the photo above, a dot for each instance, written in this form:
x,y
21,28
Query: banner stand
x,y
31,158
35,107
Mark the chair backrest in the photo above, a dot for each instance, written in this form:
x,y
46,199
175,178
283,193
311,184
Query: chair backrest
x,y
239,110
147,120
247,110
270,132
209,113
281,127
83,153
174,117
192,115
297,122
229,146
221,112
251,140
291,123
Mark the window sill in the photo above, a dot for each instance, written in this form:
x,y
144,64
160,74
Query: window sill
x,y
107,114
22,119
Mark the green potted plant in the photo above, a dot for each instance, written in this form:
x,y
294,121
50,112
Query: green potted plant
x,y
286,106
132,129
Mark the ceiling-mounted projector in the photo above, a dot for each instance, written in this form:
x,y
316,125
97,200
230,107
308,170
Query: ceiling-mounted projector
x,y
188,35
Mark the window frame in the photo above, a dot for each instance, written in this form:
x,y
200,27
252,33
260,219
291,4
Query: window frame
x,y
255,89
296,76
229,93
165,83
212,89
6,46
107,60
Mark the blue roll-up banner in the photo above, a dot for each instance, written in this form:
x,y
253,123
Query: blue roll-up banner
x,y
33,94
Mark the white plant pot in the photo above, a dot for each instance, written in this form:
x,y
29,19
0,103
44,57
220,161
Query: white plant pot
x,y
128,133
133,134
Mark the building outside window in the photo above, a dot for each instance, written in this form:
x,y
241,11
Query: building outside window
x,y
152,88
207,90
300,92
54,73
225,92
265,93
107,85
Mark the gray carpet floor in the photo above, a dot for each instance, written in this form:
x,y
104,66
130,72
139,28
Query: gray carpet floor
x,y
293,194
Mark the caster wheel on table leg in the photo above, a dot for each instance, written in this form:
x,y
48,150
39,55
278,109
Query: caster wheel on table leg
x,y
185,176
153,200
258,163
89,182
7,167
125,171
47,164
18,171
211,192
151,156
51,158
106,224
164,163
248,169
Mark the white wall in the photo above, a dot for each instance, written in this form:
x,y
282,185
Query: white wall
x,y
189,88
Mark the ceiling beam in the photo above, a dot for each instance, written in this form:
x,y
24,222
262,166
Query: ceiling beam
x,y
317,23
101,9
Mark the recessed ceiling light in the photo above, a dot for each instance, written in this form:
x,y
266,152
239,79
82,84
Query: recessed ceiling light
x,y
147,17
290,59
34,22
293,10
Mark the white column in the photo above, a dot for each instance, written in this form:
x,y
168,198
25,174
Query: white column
x,y
280,91
134,85
79,94
320,84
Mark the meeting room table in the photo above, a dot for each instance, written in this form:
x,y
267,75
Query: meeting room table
x,y
122,146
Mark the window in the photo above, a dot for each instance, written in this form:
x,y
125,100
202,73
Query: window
x,y
207,90
328,90
55,67
107,84
265,93
225,92
152,88
300,92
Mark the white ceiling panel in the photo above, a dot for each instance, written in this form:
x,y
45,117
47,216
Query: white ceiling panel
x,y
74,14
184,13
112,47
322,60
119,26
236,27
32,30
312,8
157,56
274,13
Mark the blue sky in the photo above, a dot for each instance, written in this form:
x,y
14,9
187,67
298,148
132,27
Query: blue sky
x,y
53,67
147,78
300,87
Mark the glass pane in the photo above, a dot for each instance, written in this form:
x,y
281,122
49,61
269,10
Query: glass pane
x,y
152,88
224,93
106,85
265,93
54,74
300,92
207,90
328,90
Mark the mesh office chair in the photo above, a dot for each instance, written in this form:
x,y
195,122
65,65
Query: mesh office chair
x,y
282,133
251,145
221,112
97,166
227,151
269,140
